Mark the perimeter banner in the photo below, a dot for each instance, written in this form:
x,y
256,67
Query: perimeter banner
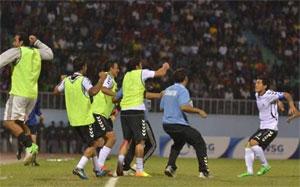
x,y
280,148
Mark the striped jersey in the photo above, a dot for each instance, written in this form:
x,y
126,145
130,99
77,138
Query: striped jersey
x,y
268,110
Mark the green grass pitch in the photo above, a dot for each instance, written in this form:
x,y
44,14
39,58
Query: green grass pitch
x,y
225,171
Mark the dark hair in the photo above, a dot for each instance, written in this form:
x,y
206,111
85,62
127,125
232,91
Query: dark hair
x,y
265,81
110,64
132,64
179,75
78,63
23,37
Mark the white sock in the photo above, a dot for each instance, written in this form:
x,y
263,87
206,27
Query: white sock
x,y
139,164
121,159
82,162
260,154
249,159
95,163
103,153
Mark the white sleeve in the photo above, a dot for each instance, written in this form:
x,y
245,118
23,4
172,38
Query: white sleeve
x,y
86,83
61,86
45,51
108,82
9,56
146,74
273,96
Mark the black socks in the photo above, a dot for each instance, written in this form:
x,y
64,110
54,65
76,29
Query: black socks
x,y
25,140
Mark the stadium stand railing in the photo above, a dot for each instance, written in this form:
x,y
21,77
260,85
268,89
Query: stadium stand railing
x,y
210,105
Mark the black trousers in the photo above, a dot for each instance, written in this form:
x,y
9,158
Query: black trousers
x,y
182,134
150,146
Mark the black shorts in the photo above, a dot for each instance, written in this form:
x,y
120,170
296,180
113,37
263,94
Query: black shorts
x,y
33,129
184,134
89,133
106,125
133,125
264,137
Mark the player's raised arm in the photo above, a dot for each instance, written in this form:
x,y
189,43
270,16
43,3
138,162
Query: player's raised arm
x,y
45,51
95,89
162,71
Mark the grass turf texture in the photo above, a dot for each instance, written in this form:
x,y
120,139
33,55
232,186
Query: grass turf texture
x,y
225,171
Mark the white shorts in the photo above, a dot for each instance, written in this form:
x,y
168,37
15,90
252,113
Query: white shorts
x,y
18,107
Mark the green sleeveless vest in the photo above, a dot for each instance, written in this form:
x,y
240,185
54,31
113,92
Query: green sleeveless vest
x,y
77,103
25,74
133,90
102,103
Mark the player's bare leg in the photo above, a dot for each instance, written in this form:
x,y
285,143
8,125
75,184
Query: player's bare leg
x,y
16,129
110,140
139,154
122,152
89,152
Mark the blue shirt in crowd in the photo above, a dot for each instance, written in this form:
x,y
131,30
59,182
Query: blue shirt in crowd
x,y
35,112
174,97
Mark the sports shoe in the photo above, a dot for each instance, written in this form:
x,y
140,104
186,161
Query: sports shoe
x,y
142,174
19,153
20,150
34,162
246,174
103,172
27,158
29,152
80,173
133,167
129,172
119,170
169,171
205,175
263,170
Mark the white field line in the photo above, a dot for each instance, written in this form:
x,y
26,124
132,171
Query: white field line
x,y
111,182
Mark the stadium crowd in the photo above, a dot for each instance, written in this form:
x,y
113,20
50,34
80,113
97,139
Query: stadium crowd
x,y
277,24
203,36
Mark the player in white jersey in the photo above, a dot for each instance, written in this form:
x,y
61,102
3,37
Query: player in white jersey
x,y
266,101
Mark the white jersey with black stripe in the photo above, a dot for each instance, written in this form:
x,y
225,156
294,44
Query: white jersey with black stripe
x,y
268,110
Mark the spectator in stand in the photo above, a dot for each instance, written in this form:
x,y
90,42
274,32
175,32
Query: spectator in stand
x,y
208,43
